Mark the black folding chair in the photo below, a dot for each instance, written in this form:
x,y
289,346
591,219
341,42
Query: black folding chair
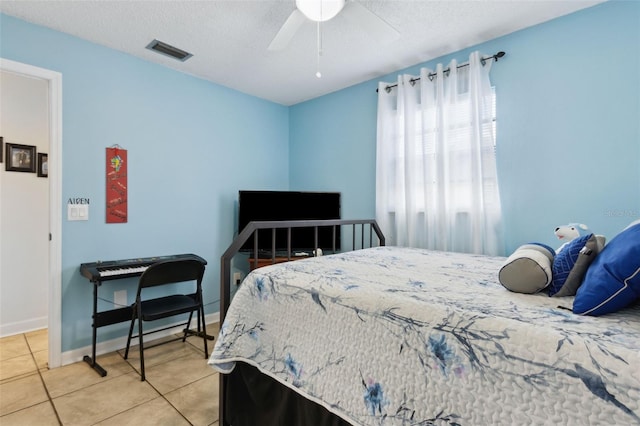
x,y
166,273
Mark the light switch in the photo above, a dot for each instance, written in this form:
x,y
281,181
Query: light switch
x,y
77,212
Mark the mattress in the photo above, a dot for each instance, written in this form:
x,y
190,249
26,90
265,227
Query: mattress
x,y
400,336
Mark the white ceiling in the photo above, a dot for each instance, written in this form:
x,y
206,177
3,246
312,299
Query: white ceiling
x,y
229,38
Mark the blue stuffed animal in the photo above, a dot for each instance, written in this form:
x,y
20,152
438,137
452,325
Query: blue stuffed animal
x,y
570,232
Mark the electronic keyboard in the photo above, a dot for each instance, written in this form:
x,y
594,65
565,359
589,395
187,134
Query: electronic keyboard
x,y
125,268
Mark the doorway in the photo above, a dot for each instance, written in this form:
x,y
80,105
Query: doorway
x,y
53,83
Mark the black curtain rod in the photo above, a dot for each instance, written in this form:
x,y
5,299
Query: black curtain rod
x,y
433,74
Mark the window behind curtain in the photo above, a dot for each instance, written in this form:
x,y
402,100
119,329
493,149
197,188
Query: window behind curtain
x,y
436,177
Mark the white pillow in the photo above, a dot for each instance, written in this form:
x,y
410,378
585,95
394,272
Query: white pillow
x,y
528,269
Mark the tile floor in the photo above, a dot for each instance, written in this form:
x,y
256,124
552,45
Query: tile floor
x,y
181,389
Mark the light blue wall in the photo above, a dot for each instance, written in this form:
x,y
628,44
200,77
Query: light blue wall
x,y
191,146
568,127
333,148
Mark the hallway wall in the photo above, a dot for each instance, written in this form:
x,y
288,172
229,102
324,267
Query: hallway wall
x,y
24,208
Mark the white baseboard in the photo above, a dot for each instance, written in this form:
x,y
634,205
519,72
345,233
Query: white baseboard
x,y
113,345
20,327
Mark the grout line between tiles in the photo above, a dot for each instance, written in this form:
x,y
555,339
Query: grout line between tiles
x,y
55,411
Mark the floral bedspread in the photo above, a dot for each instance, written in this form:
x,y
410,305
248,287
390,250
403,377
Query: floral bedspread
x,y
398,336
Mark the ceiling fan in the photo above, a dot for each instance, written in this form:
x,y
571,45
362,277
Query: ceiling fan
x,y
323,10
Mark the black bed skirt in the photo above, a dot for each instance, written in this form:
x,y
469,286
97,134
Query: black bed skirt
x,y
253,399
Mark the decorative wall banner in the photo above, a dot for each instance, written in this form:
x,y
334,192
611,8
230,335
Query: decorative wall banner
x,y
116,185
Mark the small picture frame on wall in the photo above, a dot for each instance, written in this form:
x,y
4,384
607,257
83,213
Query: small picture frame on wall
x,y
43,164
20,158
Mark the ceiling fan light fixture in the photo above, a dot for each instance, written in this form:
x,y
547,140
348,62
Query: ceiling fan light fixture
x,y
320,10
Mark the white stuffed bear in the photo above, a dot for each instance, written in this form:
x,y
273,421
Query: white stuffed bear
x,y
573,258
570,232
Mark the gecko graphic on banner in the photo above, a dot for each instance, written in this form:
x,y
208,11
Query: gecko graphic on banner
x,y
116,185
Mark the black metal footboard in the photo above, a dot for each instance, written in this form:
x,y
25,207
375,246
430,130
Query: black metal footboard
x,y
364,233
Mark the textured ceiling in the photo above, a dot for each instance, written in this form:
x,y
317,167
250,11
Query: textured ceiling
x,y
229,38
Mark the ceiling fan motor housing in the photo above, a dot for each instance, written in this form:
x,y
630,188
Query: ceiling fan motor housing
x,y
320,10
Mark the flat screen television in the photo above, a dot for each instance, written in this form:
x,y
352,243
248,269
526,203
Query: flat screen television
x,y
289,205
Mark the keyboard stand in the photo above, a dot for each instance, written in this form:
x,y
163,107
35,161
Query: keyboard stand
x,y
101,319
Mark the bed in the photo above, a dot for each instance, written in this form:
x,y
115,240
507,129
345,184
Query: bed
x,y
399,336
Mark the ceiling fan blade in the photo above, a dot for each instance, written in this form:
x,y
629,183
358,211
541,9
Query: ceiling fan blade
x,y
287,31
372,24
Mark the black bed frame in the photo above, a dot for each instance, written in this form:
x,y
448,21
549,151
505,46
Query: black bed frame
x,y
248,397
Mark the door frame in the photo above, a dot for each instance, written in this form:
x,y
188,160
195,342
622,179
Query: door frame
x,y
54,80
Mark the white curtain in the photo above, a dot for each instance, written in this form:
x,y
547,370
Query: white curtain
x,y
436,180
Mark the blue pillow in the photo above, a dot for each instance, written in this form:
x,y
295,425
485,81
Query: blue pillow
x,y
567,270
612,281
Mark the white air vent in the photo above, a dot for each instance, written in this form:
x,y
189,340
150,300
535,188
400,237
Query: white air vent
x,y
168,50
